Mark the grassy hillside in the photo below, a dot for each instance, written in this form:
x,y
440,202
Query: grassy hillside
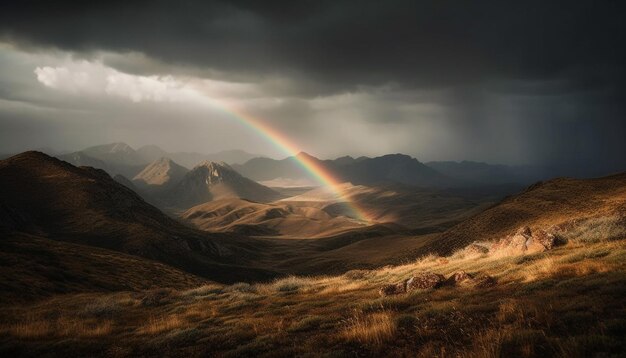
x,y
33,267
287,220
544,204
565,302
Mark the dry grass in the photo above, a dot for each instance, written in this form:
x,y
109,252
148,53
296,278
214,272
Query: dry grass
x,y
374,329
161,324
62,327
564,302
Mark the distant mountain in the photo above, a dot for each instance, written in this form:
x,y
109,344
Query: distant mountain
x,y
392,168
162,173
261,169
114,158
210,181
45,196
115,153
81,159
478,173
121,158
150,153
230,156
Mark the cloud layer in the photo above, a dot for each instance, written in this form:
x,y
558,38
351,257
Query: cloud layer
x,y
529,82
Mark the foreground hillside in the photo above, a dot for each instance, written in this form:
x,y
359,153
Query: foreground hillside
x,y
35,267
46,197
545,204
563,302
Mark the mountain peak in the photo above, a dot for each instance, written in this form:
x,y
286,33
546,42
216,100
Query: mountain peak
x,y
118,147
215,172
162,171
121,147
215,180
397,156
305,155
214,165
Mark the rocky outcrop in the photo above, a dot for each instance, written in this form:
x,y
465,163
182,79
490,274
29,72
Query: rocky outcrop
x,y
527,241
429,280
424,281
549,241
483,281
459,278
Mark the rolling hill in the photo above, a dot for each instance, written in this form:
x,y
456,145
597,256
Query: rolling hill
x,y
559,201
411,207
47,197
290,220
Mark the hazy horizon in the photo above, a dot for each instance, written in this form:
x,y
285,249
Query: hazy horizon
x,y
58,151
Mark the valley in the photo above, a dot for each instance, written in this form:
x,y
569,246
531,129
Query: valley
x,y
265,266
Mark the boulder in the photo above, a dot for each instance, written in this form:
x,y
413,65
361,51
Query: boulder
x,y
546,239
533,245
393,289
524,231
517,243
484,281
459,278
423,281
523,241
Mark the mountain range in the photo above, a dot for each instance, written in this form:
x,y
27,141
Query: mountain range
x,y
120,158
394,168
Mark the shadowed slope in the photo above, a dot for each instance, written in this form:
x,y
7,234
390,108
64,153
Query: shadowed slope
x,y
84,205
34,267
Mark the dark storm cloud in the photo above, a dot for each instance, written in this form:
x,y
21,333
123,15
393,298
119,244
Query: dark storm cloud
x,y
341,44
519,82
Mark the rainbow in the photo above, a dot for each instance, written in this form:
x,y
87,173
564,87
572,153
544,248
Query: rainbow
x,y
320,173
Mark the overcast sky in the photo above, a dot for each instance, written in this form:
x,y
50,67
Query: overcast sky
x,y
528,82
